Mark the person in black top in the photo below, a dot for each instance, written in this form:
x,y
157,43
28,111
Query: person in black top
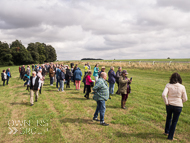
x,y
22,71
118,74
35,85
68,77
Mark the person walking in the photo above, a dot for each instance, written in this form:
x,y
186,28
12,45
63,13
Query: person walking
x,y
89,67
111,80
95,74
85,69
62,79
8,75
88,84
118,74
124,88
51,75
3,77
32,67
27,78
77,77
101,94
34,87
176,96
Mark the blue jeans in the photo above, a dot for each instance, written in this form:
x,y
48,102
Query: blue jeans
x,y
58,81
101,107
51,80
61,85
170,128
27,82
111,88
7,80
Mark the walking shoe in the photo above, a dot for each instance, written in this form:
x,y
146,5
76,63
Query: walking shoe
x,y
31,104
104,124
63,91
95,119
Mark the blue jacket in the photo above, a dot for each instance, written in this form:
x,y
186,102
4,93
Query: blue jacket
x,y
62,75
112,76
95,71
58,73
77,74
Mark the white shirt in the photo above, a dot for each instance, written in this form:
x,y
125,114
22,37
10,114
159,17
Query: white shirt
x,y
176,94
33,81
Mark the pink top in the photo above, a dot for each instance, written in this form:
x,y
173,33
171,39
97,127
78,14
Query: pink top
x,y
40,76
88,80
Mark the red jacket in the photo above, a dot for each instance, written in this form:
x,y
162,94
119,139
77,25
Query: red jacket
x,y
88,80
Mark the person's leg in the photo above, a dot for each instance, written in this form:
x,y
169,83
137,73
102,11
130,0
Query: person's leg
x,y
36,95
52,80
168,119
113,85
176,114
57,84
3,82
31,96
102,110
7,80
79,84
88,91
76,83
63,86
84,88
97,111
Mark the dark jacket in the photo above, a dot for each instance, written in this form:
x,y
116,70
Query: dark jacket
x,y
68,74
62,75
43,71
22,70
112,76
35,87
118,74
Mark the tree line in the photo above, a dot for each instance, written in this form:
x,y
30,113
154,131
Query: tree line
x,y
17,54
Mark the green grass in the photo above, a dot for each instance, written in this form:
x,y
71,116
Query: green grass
x,y
68,116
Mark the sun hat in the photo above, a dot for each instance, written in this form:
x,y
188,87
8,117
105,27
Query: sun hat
x,y
124,72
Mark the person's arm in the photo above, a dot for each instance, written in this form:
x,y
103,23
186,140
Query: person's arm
x,y
121,80
97,86
184,95
164,94
95,70
39,84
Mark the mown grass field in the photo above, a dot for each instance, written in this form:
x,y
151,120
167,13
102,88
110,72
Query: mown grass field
x,y
68,116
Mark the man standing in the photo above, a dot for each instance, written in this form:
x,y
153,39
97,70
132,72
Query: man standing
x,y
58,71
34,87
89,67
51,75
118,74
8,75
62,80
101,94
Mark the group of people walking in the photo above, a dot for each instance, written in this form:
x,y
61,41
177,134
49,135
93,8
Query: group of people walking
x,y
174,94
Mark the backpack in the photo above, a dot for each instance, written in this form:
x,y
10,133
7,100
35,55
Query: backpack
x,y
2,76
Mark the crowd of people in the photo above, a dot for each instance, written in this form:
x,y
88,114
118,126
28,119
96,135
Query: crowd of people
x,y
174,94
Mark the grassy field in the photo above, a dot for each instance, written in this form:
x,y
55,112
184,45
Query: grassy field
x,y
67,117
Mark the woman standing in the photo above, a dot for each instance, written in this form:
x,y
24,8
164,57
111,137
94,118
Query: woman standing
x,y
88,84
95,74
111,80
174,102
124,87
4,77
77,77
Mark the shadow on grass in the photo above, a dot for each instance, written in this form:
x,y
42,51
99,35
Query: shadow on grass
x,y
107,106
141,135
78,98
77,120
16,103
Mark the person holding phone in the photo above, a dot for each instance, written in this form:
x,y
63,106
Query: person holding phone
x,y
124,88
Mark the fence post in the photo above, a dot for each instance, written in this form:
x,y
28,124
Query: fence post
x,y
153,63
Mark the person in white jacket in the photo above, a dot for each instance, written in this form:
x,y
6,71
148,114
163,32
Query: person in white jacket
x,y
176,96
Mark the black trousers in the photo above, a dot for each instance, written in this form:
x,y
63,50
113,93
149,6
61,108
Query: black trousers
x,y
117,85
88,87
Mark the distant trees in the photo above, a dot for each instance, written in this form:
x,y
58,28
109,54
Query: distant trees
x,y
17,54
90,59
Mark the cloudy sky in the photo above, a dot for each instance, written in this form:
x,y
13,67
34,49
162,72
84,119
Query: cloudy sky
x,y
108,29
